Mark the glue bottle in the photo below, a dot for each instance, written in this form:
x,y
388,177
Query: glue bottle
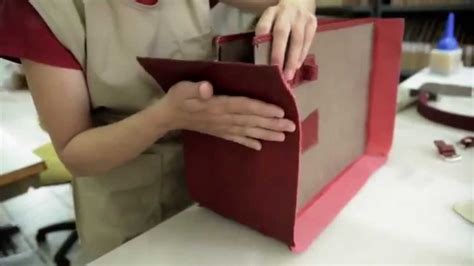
x,y
446,58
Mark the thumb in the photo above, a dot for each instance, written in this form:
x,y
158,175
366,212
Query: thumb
x,y
205,90
192,90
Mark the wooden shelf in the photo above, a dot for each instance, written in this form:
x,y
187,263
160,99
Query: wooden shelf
x,y
381,8
397,10
391,10
346,11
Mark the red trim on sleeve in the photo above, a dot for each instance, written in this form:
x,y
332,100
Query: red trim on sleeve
x,y
26,35
147,2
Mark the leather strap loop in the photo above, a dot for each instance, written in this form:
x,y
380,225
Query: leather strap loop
x,y
307,72
440,116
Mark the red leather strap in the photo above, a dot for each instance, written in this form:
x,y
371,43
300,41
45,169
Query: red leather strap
x,y
310,131
148,2
212,3
262,38
467,142
440,116
307,72
447,152
445,149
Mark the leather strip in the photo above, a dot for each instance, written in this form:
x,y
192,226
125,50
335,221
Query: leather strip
x,y
310,131
307,72
440,116
447,151
467,142
230,38
262,38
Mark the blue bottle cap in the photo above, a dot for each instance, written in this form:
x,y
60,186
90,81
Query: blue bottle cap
x,y
448,42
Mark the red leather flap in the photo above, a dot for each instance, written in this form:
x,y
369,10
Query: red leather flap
x,y
258,189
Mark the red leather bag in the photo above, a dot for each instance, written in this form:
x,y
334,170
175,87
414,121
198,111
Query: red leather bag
x,y
344,102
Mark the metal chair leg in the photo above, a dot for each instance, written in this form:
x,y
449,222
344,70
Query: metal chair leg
x,y
60,257
41,235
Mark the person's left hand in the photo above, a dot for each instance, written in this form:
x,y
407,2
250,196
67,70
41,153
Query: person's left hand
x,y
293,23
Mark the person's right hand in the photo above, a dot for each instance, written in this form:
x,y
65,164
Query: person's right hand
x,y
192,106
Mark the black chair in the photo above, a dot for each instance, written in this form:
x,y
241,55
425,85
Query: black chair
x,y
56,174
60,258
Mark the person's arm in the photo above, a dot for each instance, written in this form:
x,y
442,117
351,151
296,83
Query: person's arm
x,y
62,100
293,24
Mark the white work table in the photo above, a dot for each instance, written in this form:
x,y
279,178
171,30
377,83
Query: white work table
x,y
19,167
19,135
403,215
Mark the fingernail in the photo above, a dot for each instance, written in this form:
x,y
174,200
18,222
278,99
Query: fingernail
x,y
281,138
289,74
281,114
292,128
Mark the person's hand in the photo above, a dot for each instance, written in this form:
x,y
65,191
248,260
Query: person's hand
x,y
293,23
192,106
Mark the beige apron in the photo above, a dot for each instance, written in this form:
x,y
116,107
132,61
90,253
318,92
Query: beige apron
x,y
106,36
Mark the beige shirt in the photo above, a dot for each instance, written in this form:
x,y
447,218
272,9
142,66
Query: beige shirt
x,y
106,37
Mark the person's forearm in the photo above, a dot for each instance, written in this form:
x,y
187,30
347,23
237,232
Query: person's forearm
x,y
258,6
100,149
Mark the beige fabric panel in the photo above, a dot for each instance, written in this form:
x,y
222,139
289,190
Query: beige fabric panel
x,y
171,29
116,206
341,95
263,53
227,20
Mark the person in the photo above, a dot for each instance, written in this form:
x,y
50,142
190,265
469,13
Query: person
x,y
111,124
